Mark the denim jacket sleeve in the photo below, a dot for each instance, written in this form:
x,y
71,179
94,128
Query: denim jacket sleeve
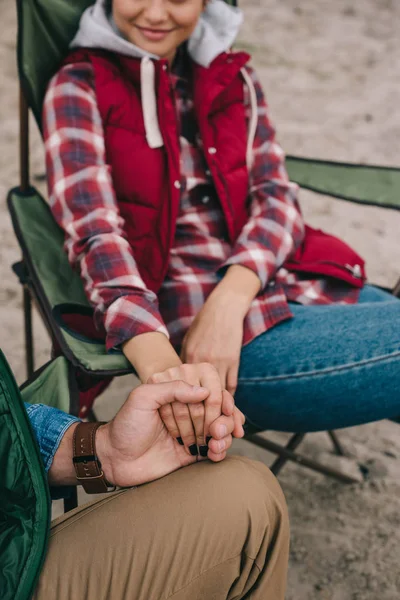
x,y
49,425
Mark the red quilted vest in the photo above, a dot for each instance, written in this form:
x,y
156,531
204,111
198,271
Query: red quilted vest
x,y
147,180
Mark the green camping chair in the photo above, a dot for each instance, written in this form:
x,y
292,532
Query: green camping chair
x,y
45,28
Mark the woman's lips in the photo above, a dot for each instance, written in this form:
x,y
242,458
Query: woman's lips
x,y
154,35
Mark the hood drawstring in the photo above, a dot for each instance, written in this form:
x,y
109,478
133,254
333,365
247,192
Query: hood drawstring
x,y
149,103
253,120
149,107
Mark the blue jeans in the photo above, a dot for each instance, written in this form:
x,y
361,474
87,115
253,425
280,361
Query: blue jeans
x,y
330,366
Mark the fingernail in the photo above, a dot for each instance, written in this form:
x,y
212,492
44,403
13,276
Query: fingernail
x,y
180,441
208,438
203,450
193,450
223,430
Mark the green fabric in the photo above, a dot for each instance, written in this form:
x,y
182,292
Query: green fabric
x,y
50,387
24,496
42,244
46,28
378,186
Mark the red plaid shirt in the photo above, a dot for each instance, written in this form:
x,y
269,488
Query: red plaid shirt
x,y
84,204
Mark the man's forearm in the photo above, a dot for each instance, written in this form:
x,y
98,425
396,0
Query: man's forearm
x,y
150,353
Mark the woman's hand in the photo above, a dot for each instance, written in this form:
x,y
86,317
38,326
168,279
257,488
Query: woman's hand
x,y
216,334
215,337
192,423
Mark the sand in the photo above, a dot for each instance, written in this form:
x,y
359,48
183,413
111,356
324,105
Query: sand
x,y
330,72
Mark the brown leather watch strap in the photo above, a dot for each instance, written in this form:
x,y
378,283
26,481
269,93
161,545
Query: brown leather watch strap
x,y
87,465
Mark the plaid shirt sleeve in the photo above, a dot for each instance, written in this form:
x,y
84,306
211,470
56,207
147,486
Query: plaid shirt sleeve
x,y
275,227
84,205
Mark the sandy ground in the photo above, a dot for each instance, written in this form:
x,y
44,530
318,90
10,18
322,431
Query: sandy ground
x,y
330,70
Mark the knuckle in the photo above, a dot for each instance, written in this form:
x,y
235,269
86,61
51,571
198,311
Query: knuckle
x,y
181,413
197,411
172,373
213,401
180,387
165,411
218,446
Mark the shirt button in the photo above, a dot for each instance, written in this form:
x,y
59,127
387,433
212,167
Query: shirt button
x,y
212,150
205,199
164,67
177,184
208,172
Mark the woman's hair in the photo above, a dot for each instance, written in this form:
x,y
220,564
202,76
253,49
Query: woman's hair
x,y
108,6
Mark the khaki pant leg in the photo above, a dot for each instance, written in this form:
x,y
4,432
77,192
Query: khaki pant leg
x,y
209,531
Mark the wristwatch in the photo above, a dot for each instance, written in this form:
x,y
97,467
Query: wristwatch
x,y
87,465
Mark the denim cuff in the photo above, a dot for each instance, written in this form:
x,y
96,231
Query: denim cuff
x,y
49,425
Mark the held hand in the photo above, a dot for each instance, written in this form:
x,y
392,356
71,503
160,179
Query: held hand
x,y
135,447
216,336
192,423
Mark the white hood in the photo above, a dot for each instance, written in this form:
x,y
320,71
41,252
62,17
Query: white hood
x,y
215,33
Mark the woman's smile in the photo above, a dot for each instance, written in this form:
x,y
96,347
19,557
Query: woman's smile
x,y
157,26
154,35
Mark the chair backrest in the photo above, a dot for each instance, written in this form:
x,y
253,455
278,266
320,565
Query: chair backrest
x,y
45,29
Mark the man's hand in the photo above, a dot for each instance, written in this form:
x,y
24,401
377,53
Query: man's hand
x,y
135,447
192,422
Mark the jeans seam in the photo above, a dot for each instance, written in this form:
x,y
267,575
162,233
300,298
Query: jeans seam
x,y
324,371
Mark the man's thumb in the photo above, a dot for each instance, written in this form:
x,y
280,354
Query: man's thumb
x,y
171,391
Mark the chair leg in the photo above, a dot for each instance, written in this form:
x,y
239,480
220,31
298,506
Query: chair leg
x,y
293,443
336,444
299,459
30,367
72,501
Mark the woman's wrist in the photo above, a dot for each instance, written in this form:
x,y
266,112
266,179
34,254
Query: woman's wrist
x,y
237,289
150,353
